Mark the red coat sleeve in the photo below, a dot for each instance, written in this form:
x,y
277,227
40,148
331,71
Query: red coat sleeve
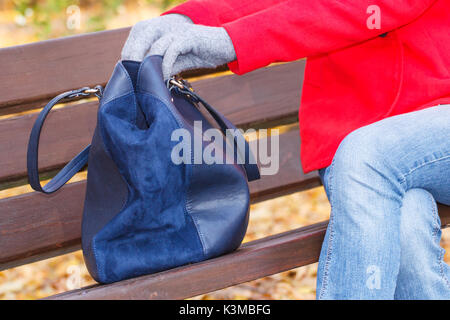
x,y
217,12
296,29
267,31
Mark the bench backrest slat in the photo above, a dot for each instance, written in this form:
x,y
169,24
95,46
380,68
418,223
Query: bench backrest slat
x,y
40,70
35,225
245,100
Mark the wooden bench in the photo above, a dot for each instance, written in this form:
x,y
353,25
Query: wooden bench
x,y
34,226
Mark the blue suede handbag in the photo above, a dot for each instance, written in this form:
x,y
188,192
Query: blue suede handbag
x,y
142,212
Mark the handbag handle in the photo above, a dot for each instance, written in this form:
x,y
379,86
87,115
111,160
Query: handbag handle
x,y
80,160
75,165
250,166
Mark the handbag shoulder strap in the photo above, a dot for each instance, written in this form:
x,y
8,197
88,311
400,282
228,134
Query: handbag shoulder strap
x,y
75,165
245,156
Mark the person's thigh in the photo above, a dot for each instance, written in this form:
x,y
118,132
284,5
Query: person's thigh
x,y
421,150
412,148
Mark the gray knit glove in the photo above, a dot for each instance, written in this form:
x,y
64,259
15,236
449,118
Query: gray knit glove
x,y
183,48
146,32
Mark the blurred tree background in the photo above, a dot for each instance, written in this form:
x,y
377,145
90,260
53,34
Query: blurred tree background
x,y
24,21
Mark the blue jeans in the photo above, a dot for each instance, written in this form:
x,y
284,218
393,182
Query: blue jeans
x,y
383,239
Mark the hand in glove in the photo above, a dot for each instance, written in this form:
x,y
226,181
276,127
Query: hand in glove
x,y
145,33
186,47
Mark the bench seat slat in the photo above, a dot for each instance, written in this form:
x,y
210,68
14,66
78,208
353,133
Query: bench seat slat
x,y
252,261
246,100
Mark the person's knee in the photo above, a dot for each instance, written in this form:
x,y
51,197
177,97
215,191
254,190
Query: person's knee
x,y
361,154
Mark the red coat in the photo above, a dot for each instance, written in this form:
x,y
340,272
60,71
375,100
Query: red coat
x,y
354,75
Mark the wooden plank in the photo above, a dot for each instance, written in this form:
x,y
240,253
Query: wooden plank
x,y
246,100
65,133
253,260
32,73
444,213
43,69
34,225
